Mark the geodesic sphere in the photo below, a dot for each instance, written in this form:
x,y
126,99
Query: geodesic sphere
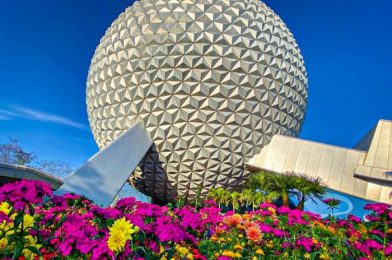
x,y
211,80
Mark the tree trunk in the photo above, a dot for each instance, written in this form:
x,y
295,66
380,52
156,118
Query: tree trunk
x,y
285,199
301,205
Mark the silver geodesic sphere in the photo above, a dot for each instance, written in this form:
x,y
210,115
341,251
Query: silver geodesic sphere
x,y
211,80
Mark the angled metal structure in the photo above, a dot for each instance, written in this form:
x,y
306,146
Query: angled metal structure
x,y
365,171
103,175
11,172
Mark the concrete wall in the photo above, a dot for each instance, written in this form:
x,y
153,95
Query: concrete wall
x,y
355,172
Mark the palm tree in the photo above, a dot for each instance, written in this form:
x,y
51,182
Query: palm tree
x,y
307,187
272,196
257,198
246,197
218,195
273,182
235,199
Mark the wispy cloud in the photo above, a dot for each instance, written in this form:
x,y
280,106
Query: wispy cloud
x,y
3,117
35,115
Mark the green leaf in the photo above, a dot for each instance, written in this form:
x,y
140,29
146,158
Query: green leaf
x,y
18,250
34,250
18,219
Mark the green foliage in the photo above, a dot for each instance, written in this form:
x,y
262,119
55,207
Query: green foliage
x,y
240,201
283,185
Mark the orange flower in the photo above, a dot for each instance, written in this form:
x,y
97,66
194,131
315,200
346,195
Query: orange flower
x,y
241,227
332,230
246,217
250,224
253,233
219,230
272,210
233,220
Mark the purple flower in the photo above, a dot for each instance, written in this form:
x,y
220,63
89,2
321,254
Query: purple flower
x,y
283,210
24,193
379,208
279,233
106,213
332,202
388,249
373,244
265,228
354,219
306,243
126,204
223,258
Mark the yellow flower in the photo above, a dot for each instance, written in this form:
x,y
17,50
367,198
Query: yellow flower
x,y
314,240
228,253
5,207
270,244
120,232
260,251
272,210
238,247
116,241
307,256
123,225
183,251
324,257
189,256
30,241
28,221
237,255
3,242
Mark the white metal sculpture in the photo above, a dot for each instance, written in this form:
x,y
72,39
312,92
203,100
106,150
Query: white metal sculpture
x,y
211,80
104,174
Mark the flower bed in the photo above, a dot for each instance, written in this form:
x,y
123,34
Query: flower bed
x,y
33,223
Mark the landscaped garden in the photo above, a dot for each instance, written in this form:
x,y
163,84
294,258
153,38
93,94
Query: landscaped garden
x,y
256,223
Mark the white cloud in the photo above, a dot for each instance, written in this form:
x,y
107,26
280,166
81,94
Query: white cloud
x,y
31,114
3,117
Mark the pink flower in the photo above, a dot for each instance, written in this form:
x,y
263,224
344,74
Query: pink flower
x,y
373,244
379,208
354,219
388,249
126,204
306,243
267,205
24,193
283,210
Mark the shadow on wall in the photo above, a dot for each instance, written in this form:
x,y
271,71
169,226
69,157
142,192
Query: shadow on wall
x,y
151,179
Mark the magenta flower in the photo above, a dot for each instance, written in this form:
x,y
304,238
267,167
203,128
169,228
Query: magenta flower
x,y
24,193
283,210
306,243
379,208
223,258
354,219
373,244
126,204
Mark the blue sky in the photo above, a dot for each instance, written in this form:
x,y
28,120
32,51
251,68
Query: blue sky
x,y
46,48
